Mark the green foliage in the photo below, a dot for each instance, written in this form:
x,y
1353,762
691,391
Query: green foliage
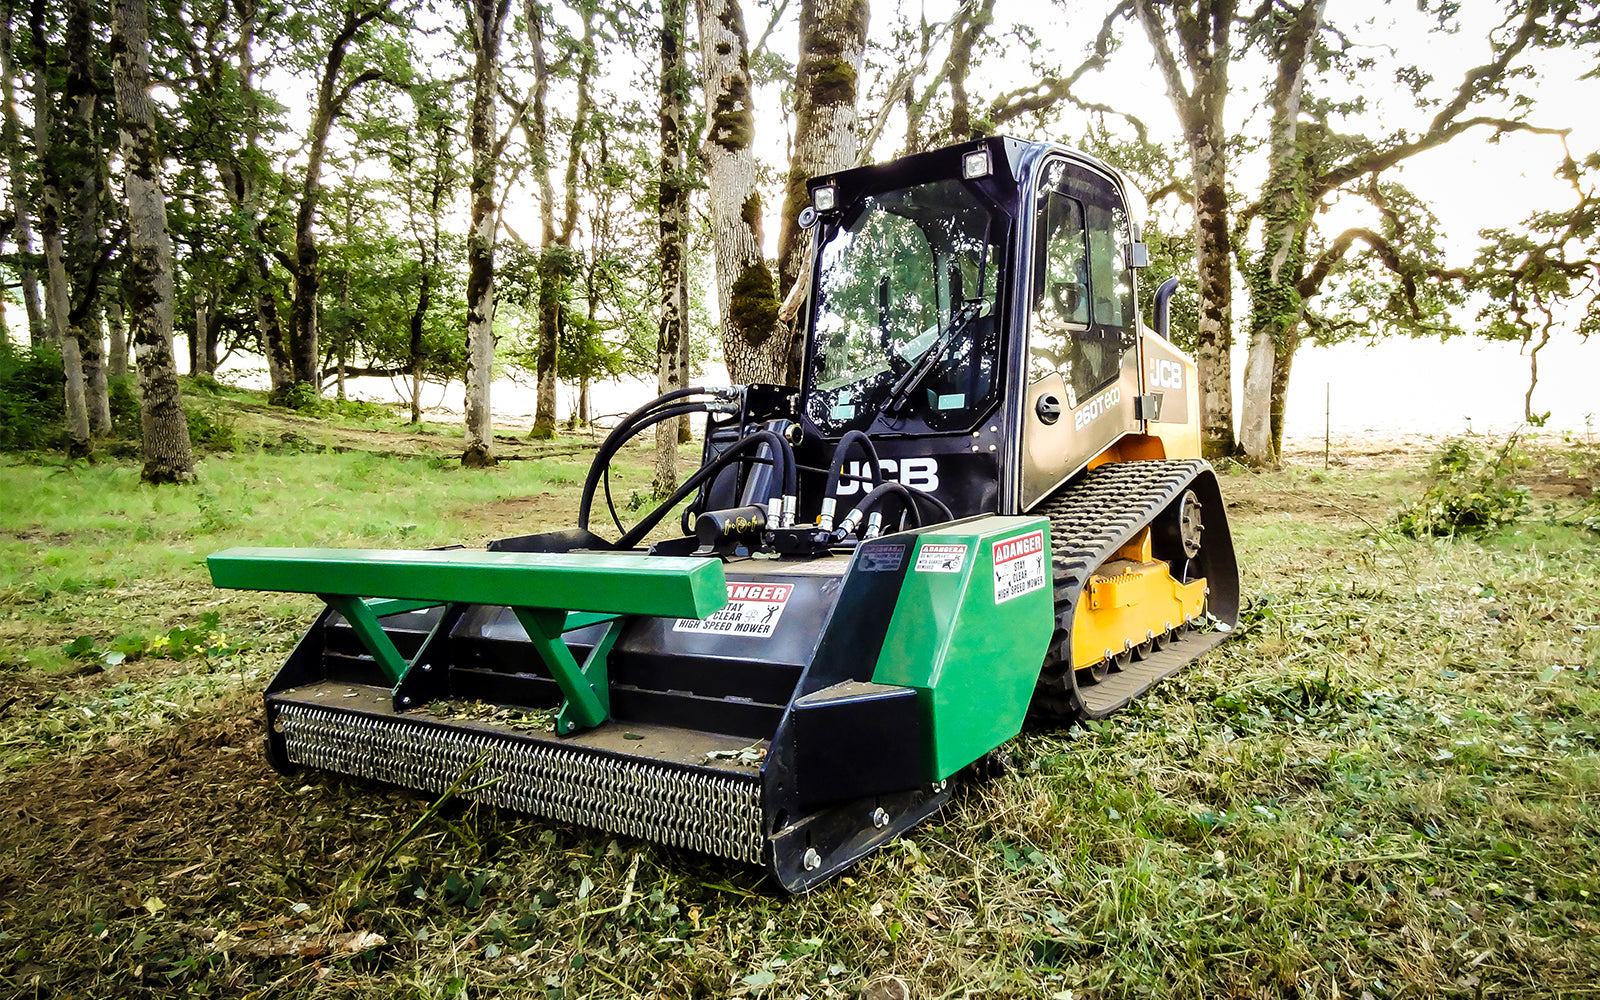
x,y
206,640
1472,493
211,427
302,396
32,403
202,383
124,406
1581,463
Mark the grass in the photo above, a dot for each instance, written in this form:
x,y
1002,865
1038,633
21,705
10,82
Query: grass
x,y
1387,785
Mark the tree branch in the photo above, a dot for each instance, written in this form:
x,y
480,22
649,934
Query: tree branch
x,y
1043,94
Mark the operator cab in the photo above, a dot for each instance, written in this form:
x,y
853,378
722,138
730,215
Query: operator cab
x,y
974,312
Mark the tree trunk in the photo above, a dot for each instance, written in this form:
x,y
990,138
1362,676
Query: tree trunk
x,y
84,253
21,204
117,328
485,19
269,326
746,299
548,353
959,65
239,183
547,350
202,318
1276,306
305,266
168,457
673,201
1214,269
556,255
96,387
1280,386
1204,37
833,36
414,348
57,296
685,430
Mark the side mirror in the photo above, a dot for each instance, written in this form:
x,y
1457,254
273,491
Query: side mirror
x,y
1138,255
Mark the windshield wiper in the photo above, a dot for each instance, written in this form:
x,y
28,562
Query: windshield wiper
x,y
908,382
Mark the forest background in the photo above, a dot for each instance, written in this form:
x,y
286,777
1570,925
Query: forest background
x,y
434,192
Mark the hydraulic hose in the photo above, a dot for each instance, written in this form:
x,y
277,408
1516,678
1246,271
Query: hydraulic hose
x,y
842,451
782,456
625,426
698,390
909,500
883,491
633,424
639,427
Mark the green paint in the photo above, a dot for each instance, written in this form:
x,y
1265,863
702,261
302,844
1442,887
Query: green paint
x,y
973,662
385,608
550,593
371,634
608,583
586,688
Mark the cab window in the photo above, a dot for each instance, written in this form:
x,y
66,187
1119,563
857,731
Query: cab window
x,y
1082,309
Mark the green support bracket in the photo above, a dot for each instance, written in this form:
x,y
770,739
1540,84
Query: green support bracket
x,y
550,593
361,618
384,607
587,688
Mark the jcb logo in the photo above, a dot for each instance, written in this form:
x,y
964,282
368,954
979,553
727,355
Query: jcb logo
x,y
1166,375
917,473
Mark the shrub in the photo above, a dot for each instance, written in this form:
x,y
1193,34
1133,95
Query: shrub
x,y
32,399
1472,493
211,428
124,406
302,396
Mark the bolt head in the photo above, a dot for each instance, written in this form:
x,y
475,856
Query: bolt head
x,y
880,818
812,859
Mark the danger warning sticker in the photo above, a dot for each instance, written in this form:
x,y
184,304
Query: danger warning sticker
x,y
880,558
753,610
1018,566
941,558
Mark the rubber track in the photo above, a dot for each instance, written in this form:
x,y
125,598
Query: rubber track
x,y
1089,520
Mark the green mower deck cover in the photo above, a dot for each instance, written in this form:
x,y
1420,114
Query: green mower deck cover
x,y
972,623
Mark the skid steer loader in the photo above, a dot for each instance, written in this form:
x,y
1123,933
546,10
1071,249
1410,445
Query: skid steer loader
x,y
984,499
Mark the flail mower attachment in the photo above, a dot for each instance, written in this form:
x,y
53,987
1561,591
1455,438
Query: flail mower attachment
x,y
789,715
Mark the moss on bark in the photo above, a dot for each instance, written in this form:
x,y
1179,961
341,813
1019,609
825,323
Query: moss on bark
x,y
753,306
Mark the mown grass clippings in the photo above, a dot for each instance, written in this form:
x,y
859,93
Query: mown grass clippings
x,y
1387,784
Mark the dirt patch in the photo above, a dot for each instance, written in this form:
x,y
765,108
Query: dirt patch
x,y
287,429
1360,450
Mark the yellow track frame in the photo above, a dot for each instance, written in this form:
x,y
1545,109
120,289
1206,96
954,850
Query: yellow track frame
x,y
1129,600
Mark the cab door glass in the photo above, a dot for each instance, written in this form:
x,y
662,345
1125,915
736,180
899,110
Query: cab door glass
x,y
1083,315
1061,285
